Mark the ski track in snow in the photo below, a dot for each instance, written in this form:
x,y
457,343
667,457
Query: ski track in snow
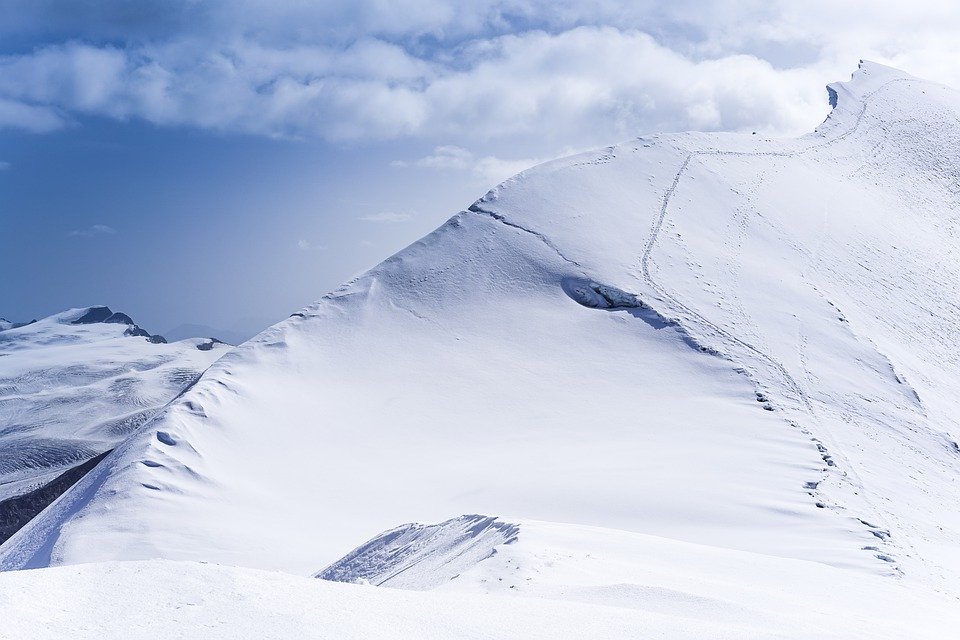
x,y
679,307
685,314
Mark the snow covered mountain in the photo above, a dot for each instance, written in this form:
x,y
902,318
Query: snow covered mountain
x,y
184,331
71,387
717,357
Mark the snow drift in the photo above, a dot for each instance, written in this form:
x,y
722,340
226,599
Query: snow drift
x,y
416,556
555,581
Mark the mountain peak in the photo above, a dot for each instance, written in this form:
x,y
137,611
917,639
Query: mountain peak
x,y
848,98
90,315
54,327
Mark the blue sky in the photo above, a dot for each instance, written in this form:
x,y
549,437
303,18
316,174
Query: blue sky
x,y
226,163
176,225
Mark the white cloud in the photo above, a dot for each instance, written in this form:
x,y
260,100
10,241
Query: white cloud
x,y
489,170
94,230
387,217
17,115
447,157
587,83
4,165
574,72
308,245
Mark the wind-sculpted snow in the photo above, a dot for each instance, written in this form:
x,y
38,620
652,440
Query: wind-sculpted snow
x,y
723,340
416,556
622,571
573,582
72,386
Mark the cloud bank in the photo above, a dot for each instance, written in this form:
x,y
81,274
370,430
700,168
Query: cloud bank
x,y
577,72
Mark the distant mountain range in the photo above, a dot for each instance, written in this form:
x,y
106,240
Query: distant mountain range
x,y
72,386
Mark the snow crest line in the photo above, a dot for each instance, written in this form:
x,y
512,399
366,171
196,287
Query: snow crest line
x,y
664,209
697,317
476,208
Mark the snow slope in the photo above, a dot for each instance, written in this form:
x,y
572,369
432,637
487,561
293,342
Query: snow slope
x,y
74,385
670,590
758,595
723,340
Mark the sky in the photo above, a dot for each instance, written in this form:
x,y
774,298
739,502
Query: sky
x,y
225,163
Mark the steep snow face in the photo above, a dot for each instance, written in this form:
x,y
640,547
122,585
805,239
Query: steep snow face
x,y
71,387
719,339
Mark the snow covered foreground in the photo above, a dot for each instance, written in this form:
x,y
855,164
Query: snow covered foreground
x,y
555,581
740,353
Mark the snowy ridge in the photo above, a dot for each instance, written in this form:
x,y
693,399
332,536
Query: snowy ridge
x,y
725,345
72,386
416,556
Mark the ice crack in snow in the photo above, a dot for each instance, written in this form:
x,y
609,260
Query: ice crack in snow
x,y
476,208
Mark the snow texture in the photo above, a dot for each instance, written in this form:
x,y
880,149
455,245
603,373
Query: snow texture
x,y
72,386
740,353
416,556
555,582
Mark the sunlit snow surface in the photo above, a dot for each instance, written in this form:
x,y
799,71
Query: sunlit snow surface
x,y
71,389
717,342
416,556
556,581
